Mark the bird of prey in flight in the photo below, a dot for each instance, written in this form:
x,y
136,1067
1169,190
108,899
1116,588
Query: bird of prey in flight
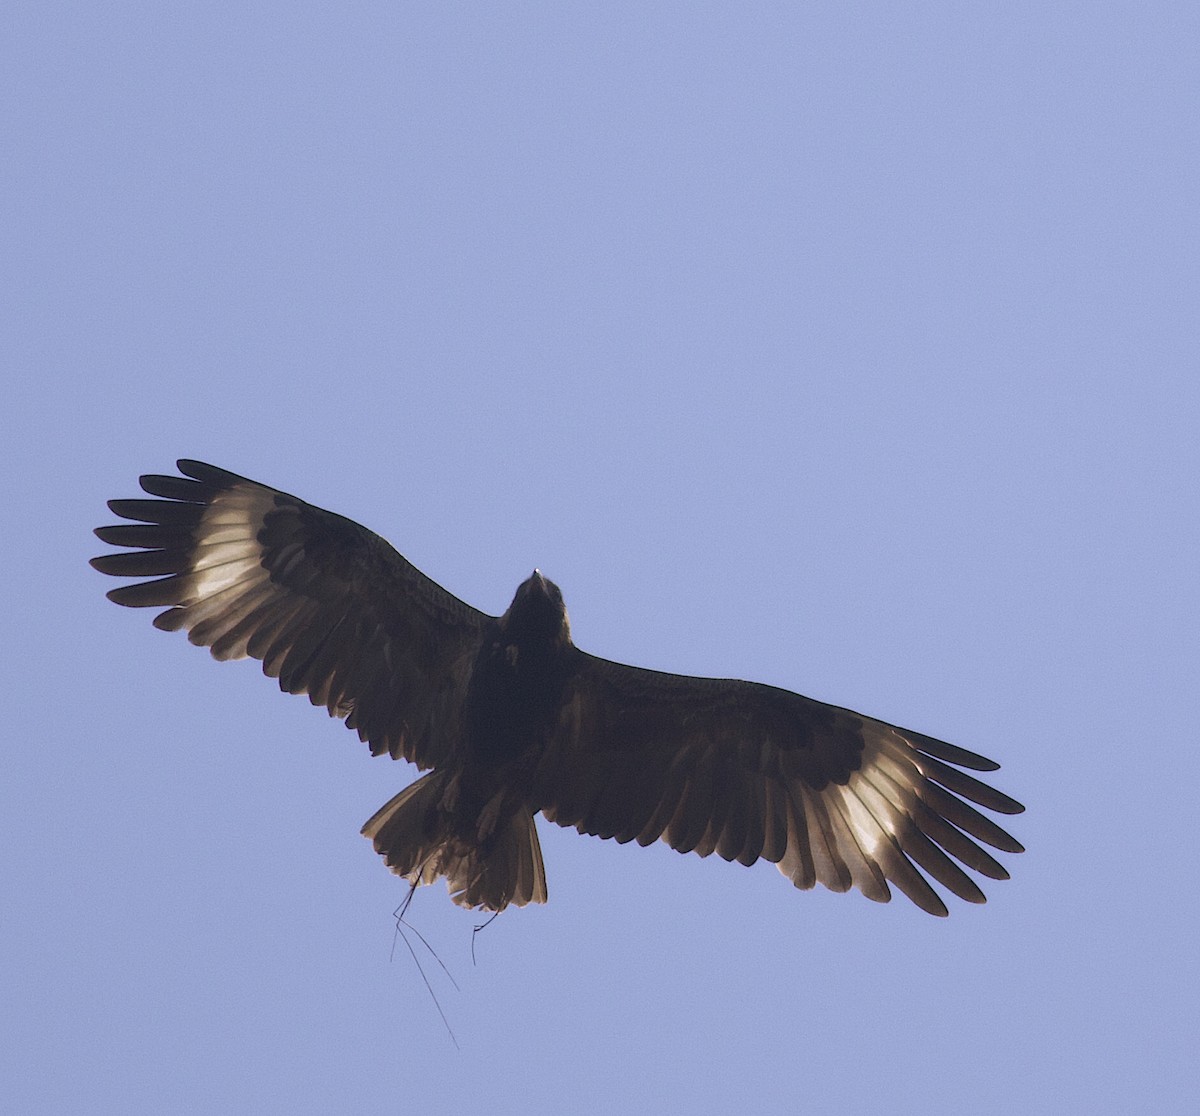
x,y
510,719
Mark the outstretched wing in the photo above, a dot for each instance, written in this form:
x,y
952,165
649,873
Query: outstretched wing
x,y
748,771
329,607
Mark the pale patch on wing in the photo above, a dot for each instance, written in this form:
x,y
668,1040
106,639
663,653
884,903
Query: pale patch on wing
x,y
227,549
894,821
227,592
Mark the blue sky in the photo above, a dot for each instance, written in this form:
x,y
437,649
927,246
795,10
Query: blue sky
x,y
851,348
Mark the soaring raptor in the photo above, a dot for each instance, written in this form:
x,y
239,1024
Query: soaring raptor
x,y
511,719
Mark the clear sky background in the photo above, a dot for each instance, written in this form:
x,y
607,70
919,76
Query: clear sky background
x,y
847,347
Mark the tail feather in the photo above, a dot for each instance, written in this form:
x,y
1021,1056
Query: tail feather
x,y
416,837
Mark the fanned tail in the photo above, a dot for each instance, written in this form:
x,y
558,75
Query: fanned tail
x,y
415,835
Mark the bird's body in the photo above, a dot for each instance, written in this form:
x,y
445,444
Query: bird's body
x,y
513,719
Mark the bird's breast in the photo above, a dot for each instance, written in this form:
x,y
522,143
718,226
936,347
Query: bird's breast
x,y
512,703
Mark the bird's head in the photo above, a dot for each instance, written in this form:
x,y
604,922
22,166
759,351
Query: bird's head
x,y
537,613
